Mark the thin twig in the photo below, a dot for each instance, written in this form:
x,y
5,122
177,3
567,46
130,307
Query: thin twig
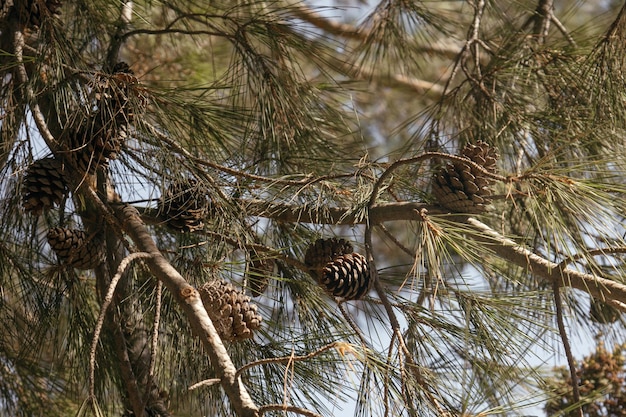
x,y
287,359
566,346
126,13
38,117
396,241
108,298
387,378
154,339
205,383
474,38
563,30
592,252
353,325
287,408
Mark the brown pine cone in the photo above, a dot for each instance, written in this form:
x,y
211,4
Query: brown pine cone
x,y
462,188
347,276
44,185
76,248
324,251
233,316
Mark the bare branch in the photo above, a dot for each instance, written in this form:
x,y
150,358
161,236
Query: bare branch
x,y
288,359
566,345
103,309
188,298
40,120
155,338
597,287
205,383
287,408
563,30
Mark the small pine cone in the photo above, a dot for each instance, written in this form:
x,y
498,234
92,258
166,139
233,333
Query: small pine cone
x,y
462,188
258,274
347,276
603,313
324,251
119,96
75,248
32,12
184,205
233,316
44,185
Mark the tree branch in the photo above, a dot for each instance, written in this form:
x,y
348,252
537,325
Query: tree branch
x,y
566,345
287,408
288,359
189,300
597,287
103,310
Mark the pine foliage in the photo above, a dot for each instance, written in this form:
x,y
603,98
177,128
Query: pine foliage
x,y
416,194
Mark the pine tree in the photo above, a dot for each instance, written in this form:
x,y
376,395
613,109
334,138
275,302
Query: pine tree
x,y
466,158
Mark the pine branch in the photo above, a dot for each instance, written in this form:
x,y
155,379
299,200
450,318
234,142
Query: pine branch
x,y
189,300
347,31
598,287
344,30
566,345
287,408
108,298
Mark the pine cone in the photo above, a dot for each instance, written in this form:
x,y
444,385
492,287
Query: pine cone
x,y
118,96
83,154
324,251
75,248
462,188
347,276
30,13
184,205
233,316
258,274
44,185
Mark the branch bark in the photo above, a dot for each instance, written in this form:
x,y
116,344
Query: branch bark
x,y
598,287
189,300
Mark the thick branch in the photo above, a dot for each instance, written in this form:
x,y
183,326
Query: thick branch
x,y
288,213
597,287
189,300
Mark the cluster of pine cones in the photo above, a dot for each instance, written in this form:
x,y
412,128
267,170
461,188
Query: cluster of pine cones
x,y
460,187
95,141
338,269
